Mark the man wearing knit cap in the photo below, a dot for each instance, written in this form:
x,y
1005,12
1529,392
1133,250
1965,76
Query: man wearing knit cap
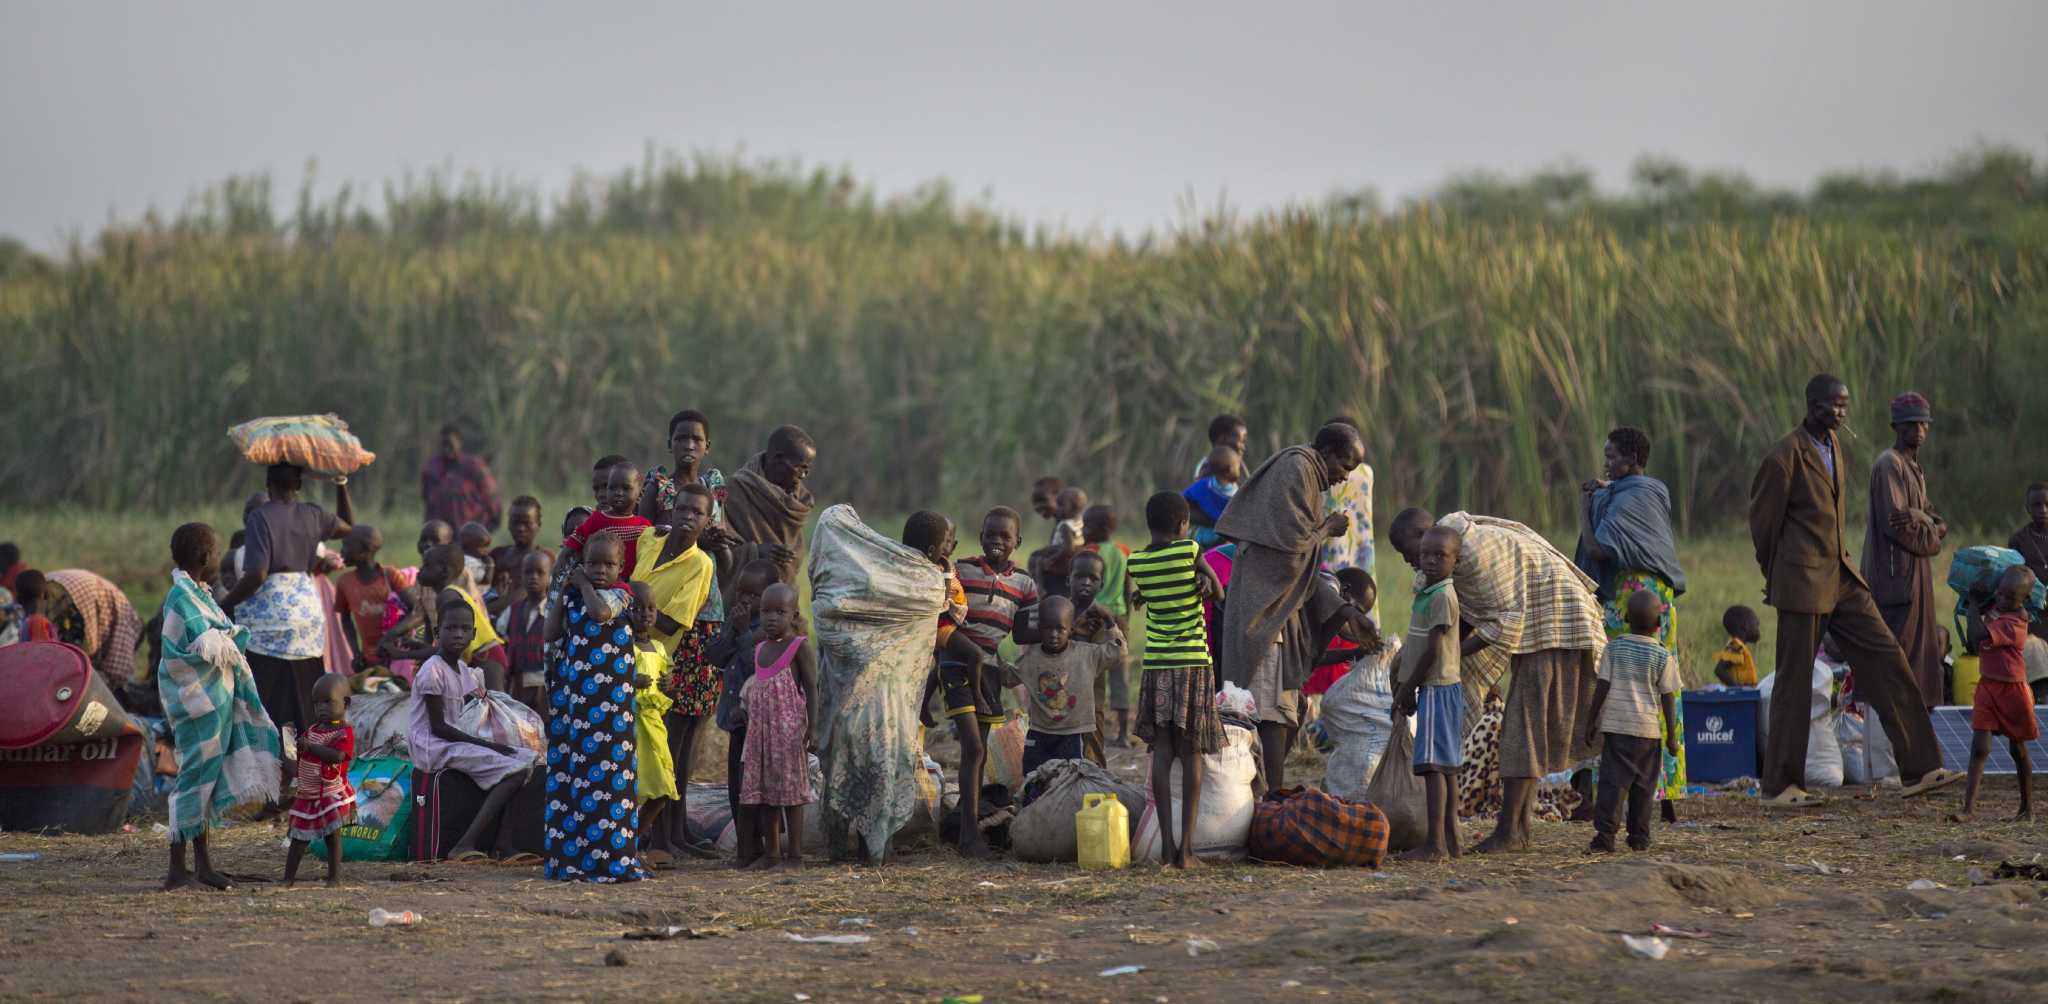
x,y
1904,536
1796,515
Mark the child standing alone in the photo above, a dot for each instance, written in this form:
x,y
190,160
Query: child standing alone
x,y
776,784
2004,705
1638,677
1735,664
1429,689
1177,700
323,801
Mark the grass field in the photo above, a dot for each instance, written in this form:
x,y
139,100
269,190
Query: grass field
x,y
133,549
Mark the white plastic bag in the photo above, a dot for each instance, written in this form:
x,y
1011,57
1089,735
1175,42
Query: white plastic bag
x,y
499,718
1358,718
1229,793
1235,700
1866,751
1823,746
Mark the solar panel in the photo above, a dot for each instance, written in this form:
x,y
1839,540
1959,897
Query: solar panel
x,y
1952,731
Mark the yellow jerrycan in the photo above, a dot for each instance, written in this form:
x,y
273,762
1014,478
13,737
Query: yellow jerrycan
x,y
1967,675
1102,832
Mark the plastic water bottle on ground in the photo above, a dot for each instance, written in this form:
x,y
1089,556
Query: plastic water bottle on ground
x,y
381,917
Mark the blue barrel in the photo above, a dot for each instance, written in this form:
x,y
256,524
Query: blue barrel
x,y
1720,734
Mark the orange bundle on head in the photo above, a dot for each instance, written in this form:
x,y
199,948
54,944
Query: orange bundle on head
x,y
319,443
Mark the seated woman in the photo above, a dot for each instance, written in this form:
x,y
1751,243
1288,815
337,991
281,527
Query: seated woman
x,y
439,689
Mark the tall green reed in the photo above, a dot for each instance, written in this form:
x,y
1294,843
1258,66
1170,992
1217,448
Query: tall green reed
x,y
942,356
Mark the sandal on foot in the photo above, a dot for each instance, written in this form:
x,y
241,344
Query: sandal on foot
x,y
1938,778
524,859
469,858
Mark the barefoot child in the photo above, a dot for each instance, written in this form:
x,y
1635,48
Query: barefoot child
x,y
777,780
1735,664
1177,700
1058,674
1638,678
590,821
1428,687
2004,704
1002,602
733,651
683,577
323,802
932,535
440,688
654,769
228,751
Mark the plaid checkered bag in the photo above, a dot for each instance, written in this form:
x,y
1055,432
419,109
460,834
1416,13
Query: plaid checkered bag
x,y
1314,829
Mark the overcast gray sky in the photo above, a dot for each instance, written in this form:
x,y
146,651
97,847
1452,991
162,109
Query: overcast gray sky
x,y
1089,116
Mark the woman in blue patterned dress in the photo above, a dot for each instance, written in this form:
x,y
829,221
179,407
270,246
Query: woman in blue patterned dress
x,y
592,822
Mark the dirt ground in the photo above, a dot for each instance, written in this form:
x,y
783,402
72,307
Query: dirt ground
x,y
86,921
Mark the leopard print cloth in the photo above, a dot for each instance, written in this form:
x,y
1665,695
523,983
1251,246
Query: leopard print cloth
x,y
1479,792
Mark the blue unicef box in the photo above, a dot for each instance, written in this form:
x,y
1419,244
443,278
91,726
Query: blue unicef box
x,y
1720,734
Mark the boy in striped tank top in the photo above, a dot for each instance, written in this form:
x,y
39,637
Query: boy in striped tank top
x,y
1177,701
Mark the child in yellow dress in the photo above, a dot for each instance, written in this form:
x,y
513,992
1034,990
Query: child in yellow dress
x,y
654,768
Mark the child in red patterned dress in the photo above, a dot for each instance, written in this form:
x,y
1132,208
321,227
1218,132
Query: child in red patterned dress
x,y
324,802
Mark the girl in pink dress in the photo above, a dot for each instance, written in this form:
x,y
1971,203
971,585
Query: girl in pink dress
x,y
775,780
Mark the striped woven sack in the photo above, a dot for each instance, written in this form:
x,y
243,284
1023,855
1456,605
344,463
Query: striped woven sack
x,y
318,443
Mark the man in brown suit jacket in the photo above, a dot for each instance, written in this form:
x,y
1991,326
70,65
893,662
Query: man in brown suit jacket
x,y
1796,512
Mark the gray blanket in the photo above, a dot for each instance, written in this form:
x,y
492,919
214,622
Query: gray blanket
x,y
1277,520
1631,518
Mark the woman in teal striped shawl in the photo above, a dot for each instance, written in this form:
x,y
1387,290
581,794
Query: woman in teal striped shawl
x,y
228,752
